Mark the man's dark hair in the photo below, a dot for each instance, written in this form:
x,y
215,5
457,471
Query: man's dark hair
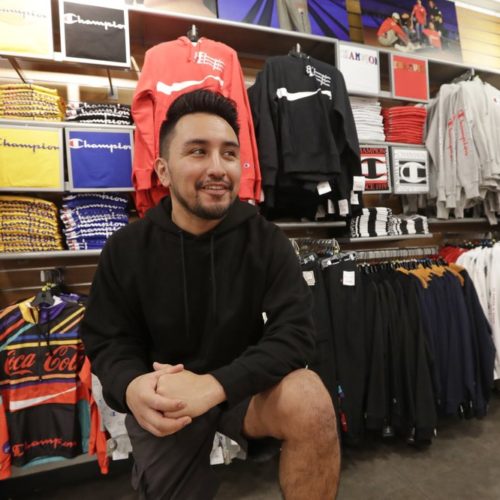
x,y
198,101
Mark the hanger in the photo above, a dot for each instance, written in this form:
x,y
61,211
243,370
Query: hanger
x,y
45,297
193,34
297,51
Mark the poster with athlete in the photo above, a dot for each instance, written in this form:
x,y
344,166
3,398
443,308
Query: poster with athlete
x,y
319,17
420,27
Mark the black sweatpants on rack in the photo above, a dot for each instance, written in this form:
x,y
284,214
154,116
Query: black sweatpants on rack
x,y
324,360
346,304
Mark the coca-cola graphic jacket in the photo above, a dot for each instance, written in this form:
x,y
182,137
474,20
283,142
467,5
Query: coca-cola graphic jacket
x,y
174,68
44,379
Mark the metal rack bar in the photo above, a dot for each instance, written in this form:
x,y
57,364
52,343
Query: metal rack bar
x,y
49,254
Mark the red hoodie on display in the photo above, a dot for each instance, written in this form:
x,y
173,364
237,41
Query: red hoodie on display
x,y
171,69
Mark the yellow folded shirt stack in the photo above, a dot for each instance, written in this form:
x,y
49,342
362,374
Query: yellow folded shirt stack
x,y
28,225
22,101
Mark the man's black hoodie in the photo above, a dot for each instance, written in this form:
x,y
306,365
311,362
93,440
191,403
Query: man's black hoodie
x,y
162,294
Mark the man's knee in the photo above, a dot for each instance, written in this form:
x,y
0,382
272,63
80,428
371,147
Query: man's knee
x,y
305,407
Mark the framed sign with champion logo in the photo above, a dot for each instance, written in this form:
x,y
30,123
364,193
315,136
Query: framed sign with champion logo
x,y
26,28
375,168
94,34
99,160
31,158
410,170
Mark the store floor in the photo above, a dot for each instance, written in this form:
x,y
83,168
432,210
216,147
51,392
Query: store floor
x,y
462,463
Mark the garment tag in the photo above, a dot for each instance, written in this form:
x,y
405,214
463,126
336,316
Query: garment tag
x,y
349,278
309,277
343,207
331,207
264,317
120,455
358,183
323,187
354,198
320,213
217,457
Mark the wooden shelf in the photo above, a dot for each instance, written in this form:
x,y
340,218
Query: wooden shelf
x,y
61,124
386,238
306,225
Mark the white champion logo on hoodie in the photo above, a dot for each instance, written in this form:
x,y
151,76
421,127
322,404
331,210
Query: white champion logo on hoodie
x,y
178,86
295,96
204,58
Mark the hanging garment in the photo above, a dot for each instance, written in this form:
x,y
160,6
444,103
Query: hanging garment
x,y
306,135
45,384
461,137
174,68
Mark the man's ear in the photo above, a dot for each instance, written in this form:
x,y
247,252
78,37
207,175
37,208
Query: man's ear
x,y
161,169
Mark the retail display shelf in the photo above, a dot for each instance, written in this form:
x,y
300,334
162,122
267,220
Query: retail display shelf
x,y
398,144
386,238
471,220
49,124
305,225
49,254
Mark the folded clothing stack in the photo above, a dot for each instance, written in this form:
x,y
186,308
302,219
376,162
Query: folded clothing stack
x,y
28,225
414,224
107,114
22,101
367,113
404,124
372,222
89,219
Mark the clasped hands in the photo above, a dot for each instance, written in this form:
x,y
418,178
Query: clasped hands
x,y
166,400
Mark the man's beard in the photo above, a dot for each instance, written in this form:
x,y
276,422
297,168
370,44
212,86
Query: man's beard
x,y
208,213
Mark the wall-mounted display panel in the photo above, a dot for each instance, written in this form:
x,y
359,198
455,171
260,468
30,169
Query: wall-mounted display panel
x,y
410,170
99,159
94,34
375,168
31,159
26,28
427,28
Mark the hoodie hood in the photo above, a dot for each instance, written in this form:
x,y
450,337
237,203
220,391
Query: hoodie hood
x,y
192,47
161,216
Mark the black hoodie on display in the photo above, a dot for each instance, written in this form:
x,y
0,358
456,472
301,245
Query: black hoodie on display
x,y
162,294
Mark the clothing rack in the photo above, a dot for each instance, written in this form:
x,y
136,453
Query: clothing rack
x,y
396,253
325,246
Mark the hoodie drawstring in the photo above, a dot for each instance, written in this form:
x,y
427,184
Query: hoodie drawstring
x,y
184,282
214,284
213,279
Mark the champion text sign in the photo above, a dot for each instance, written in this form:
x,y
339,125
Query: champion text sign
x,y
94,34
99,160
31,158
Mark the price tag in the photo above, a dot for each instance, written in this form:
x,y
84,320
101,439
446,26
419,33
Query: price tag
x,y
320,213
354,198
349,278
323,188
358,183
217,457
309,277
343,207
331,207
